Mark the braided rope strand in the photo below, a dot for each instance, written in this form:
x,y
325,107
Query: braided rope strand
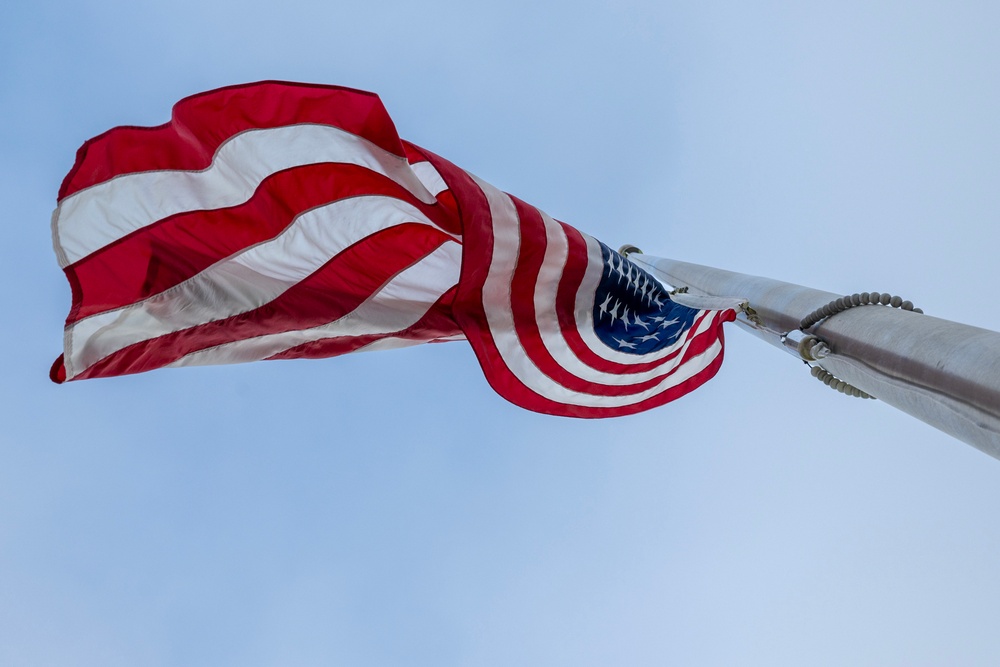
x,y
806,348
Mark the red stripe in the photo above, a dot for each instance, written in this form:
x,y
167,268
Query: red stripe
x,y
57,373
448,218
174,249
438,322
413,153
336,289
200,124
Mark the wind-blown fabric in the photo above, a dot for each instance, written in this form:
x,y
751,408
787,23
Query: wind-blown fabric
x,y
278,220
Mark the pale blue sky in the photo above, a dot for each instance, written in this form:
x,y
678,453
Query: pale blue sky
x,y
389,508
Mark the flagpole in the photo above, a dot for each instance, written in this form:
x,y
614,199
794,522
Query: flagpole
x,y
944,373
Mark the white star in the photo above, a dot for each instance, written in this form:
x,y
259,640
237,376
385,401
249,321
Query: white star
x,y
652,336
624,343
625,317
668,323
614,312
641,323
604,306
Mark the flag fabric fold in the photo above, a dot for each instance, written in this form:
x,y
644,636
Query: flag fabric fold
x,y
279,220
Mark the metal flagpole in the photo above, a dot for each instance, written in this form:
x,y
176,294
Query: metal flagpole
x,y
941,372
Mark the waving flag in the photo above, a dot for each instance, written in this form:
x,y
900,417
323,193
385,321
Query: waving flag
x,y
279,220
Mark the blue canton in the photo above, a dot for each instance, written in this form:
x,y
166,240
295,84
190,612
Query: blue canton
x,y
632,312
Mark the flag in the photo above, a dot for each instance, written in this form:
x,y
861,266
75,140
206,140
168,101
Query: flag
x,y
280,220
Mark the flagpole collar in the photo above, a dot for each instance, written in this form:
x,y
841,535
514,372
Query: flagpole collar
x,y
628,249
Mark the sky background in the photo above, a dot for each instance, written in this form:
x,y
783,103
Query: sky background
x,y
389,508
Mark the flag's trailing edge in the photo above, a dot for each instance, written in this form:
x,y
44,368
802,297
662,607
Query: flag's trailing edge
x,y
280,220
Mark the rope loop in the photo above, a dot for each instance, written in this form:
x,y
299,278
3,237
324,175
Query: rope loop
x,y
853,301
832,382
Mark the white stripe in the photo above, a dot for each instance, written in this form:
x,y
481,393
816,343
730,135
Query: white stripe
x,y
430,177
390,343
394,343
240,283
496,301
398,305
92,218
448,339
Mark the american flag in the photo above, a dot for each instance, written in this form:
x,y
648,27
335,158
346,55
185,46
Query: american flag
x,y
279,220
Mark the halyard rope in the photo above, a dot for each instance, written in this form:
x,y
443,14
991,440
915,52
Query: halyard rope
x,y
831,309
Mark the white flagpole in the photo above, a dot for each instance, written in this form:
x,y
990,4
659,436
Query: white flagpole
x,y
941,372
